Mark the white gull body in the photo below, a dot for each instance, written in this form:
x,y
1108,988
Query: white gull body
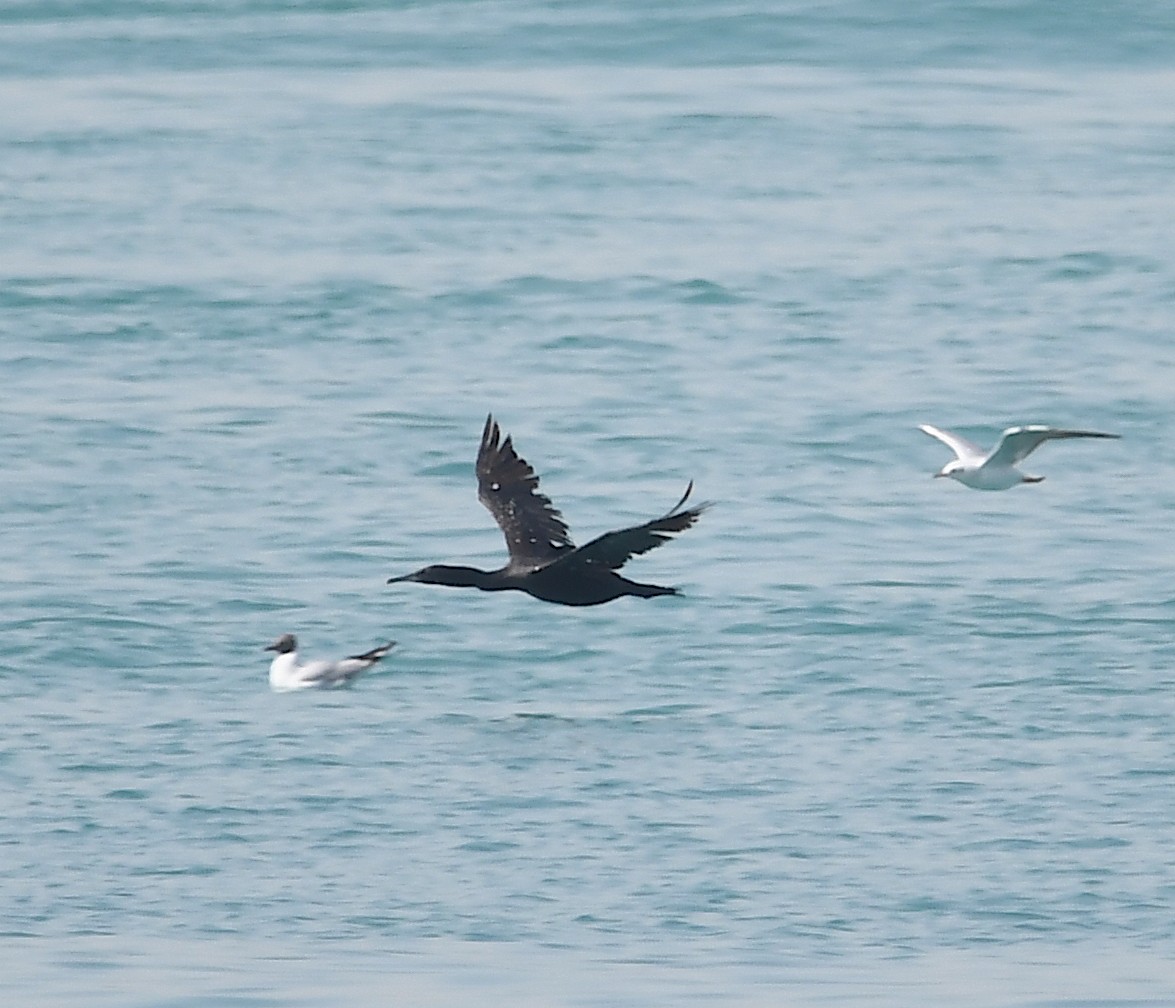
x,y
996,469
286,674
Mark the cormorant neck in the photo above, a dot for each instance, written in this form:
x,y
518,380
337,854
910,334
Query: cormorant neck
x,y
461,577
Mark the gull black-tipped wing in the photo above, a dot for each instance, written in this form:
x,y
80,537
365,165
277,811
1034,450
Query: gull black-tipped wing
x,y
374,655
509,487
1020,442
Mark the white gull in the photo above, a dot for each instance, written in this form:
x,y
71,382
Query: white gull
x,y
286,674
996,470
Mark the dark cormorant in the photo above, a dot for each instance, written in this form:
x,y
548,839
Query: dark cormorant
x,y
544,562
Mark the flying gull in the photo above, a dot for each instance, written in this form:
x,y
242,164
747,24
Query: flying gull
x,y
996,470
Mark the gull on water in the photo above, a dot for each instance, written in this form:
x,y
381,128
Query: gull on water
x,y
286,674
996,470
544,562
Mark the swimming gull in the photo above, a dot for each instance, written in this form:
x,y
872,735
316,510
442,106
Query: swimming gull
x,y
286,674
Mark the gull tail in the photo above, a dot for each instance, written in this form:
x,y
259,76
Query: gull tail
x,y
374,655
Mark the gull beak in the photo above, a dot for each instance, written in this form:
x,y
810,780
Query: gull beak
x,y
938,474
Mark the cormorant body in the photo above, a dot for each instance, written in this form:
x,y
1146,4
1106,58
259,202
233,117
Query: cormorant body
x,y
544,562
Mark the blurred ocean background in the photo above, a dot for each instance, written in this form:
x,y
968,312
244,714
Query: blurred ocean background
x,y
264,269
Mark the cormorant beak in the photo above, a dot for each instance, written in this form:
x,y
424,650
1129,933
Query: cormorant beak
x,y
405,577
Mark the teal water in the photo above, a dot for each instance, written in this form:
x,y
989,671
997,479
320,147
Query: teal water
x,y
265,271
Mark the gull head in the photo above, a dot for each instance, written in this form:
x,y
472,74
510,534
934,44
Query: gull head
x,y
954,469
284,644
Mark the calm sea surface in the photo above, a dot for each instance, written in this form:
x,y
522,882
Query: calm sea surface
x,y
264,269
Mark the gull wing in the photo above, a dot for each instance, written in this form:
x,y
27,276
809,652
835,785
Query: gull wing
x,y
369,658
614,549
1018,443
317,673
963,449
507,485
334,673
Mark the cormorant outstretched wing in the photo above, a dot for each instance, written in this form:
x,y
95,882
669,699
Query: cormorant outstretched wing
x,y
614,549
507,485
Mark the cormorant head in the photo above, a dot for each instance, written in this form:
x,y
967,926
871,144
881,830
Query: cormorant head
x,y
443,574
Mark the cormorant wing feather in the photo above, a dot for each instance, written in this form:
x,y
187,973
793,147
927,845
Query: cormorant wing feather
x,y
614,549
507,485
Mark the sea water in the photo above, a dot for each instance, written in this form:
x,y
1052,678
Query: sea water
x,y
265,269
